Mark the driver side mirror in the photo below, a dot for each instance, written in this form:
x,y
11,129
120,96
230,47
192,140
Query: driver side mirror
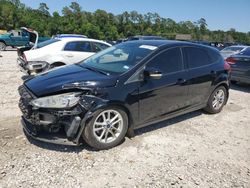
x,y
152,73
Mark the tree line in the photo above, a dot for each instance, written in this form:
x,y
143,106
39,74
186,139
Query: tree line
x,y
107,26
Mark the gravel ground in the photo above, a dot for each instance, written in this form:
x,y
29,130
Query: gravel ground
x,y
193,150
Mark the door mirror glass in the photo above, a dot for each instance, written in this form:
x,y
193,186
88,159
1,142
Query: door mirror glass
x,y
152,73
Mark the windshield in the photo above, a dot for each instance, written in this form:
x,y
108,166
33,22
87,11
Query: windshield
x,y
118,59
47,42
233,48
245,52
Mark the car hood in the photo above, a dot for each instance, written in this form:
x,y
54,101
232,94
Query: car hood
x,y
68,77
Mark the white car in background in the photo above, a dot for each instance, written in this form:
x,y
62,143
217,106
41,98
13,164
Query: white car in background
x,y
58,52
231,50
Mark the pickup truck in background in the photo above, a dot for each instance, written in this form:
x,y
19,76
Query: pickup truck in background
x,y
23,37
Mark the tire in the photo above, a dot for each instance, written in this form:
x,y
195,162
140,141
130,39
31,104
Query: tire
x,y
101,134
217,100
2,46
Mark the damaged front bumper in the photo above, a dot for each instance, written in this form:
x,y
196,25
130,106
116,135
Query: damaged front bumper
x,y
58,126
32,66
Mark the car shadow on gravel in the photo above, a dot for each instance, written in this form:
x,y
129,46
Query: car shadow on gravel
x,y
168,122
59,147
241,87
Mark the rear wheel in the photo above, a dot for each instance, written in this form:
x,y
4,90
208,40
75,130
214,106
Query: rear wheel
x,y
217,100
106,129
2,46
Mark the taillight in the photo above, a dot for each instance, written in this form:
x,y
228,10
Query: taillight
x,y
227,67
230,60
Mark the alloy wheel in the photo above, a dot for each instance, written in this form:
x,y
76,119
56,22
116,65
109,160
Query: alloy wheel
x,y
218,99
108,126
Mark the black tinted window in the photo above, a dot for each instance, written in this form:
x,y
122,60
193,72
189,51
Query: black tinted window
x,y
214,55
168,61
197,57
78,46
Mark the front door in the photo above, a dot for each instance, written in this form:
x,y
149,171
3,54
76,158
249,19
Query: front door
x,y
159,97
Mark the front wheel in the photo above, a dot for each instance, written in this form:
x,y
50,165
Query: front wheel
x,y
2,46
106,129
217,100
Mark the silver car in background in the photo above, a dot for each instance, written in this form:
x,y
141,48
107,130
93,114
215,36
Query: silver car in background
x,y
231,50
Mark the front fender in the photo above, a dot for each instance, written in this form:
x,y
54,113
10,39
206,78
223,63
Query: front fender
x,y
92,104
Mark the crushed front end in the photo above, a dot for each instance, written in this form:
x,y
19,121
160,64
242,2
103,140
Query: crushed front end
x,y
31,66
53,124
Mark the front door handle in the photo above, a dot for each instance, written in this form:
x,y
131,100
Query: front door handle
x,y
181,81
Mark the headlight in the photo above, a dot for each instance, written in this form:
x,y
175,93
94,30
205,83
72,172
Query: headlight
x,y
34,65
66,100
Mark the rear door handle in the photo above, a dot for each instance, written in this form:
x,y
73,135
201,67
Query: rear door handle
x,y
181,81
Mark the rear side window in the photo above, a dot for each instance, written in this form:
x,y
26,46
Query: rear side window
x,y
99,46
168,61
214,56
79,46
46,43
196,57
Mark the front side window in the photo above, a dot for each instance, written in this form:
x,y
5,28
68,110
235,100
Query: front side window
x,y
168,61
79,46
119,58
196,57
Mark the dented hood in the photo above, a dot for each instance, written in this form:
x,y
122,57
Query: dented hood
x,y
68,77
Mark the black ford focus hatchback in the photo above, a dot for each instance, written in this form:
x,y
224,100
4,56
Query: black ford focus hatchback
x,y
123,88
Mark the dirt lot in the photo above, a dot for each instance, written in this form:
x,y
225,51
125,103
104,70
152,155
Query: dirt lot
x,y
194,150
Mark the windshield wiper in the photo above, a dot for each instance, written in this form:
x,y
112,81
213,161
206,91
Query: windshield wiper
x,y
95,70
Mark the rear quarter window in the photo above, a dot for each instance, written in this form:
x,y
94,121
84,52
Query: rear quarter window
x,y
197,57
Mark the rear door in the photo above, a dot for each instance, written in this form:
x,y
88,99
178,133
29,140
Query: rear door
x,y
77,51
201,74
159,97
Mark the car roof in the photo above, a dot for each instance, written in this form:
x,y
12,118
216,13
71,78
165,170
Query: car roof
x,y
159,43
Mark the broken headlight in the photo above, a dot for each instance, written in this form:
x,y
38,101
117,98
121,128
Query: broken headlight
x,y
66,100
